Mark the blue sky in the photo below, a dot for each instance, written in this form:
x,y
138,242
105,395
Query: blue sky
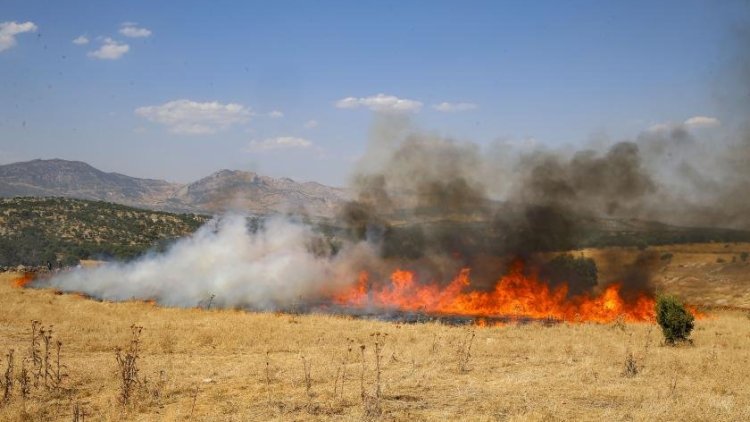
x,y
177,90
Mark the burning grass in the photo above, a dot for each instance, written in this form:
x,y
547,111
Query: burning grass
x,y
518,295
232,365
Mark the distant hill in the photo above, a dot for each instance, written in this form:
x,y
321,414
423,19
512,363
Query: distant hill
x,y
223,190
34,231
76,179
231,189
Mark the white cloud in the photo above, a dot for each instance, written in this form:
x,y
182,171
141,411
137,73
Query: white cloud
x,y
311,124
447,107
381,103
195,118
9,30
702,121
695,122
281,142
132,30
276,114
81,40
109,50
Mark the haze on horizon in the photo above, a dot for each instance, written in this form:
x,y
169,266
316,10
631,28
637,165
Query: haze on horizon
x,y
292,88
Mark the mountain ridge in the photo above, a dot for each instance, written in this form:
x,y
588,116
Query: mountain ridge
x,y
220,191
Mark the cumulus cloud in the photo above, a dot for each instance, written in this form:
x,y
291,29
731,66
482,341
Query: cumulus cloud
x,y
447,107
311,124
276,114
695,122
9,30
281,142
132,30
81,40
381,103
702,121
195,118
110,50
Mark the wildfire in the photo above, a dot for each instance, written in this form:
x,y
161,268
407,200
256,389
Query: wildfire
x,y
516,295
23,280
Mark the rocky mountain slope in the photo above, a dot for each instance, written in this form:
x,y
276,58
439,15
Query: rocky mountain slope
x,y
76,179
221,191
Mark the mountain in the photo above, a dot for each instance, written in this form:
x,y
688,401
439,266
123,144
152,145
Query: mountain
x,y
76,179
223,190
232,189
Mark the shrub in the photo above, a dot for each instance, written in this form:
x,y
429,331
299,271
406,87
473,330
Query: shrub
x,y
580,273
676,322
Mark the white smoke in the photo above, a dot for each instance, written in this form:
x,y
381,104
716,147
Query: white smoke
x,y
271,268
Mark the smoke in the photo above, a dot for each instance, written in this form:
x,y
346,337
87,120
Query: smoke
x,y
269,268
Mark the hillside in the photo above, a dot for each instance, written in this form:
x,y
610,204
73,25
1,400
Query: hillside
x,y
34,231
221,191
76,179
251,192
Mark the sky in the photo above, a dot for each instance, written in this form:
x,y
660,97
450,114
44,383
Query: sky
x,y
178,90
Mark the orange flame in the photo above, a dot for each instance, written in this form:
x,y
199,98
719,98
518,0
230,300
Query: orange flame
x,y
515,294
23,280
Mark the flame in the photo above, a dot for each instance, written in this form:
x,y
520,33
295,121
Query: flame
x,y
23,280
516,294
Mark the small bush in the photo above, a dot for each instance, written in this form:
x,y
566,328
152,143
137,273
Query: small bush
x,y
676,322
579,273
743,256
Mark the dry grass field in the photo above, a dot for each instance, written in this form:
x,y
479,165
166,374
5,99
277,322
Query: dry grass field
x,y
232,365
710,274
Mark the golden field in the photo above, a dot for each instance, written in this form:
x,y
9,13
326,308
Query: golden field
x,y
232,365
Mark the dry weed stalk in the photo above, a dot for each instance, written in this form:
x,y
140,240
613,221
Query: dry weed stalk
x,y
372,403
308,380
619,323
362,373
339,392
127,362
195,398
631,366
157,393
379,343
59,369
35,352
79,412
24,380
464,351
47,372
7,381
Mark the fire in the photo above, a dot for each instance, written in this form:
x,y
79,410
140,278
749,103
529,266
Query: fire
x,y
23,280
516,294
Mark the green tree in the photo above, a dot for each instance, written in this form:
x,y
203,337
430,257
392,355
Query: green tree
x,y
675,320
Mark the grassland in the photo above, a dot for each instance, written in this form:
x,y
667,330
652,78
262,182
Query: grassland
x,y
234,365
707,274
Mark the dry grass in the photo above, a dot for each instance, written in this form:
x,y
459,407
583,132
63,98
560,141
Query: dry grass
x,y
232,365
713,274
